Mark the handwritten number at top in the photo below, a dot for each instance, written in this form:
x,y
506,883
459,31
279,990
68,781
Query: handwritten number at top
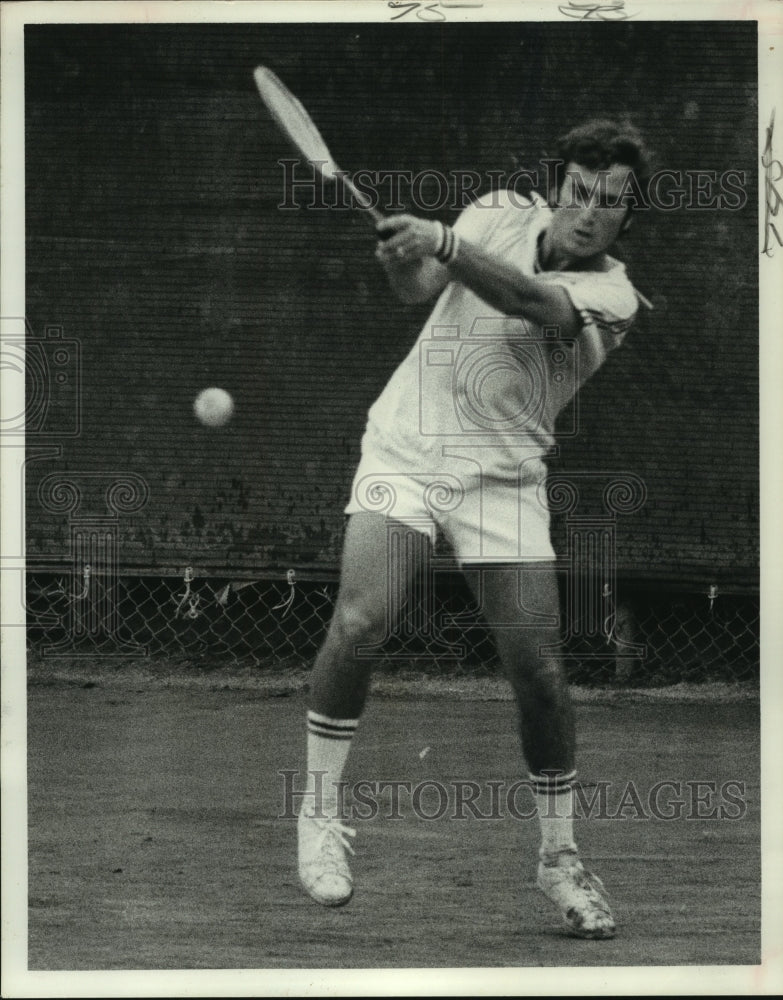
x,y
420,14
588,10
581,10
426,12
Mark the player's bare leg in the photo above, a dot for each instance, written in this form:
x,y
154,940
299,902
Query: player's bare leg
x,y
522,606
338,689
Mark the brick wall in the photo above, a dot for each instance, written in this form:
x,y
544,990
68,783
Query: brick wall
x,y
154,239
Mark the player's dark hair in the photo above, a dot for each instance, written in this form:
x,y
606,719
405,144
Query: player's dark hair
x,y
599,143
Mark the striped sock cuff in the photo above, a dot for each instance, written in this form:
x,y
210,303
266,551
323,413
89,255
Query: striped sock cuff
x,y
331,729
553,782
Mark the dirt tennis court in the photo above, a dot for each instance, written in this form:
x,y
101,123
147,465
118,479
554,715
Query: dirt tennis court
x,y
155,843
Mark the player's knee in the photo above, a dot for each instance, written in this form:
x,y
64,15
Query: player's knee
x,y
534,666
356,622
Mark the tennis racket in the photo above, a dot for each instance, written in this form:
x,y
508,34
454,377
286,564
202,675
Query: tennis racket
x,y
297,125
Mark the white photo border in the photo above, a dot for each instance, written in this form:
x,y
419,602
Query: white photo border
x,y
757,980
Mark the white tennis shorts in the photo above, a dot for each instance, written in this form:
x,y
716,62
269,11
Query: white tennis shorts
x,y
485,519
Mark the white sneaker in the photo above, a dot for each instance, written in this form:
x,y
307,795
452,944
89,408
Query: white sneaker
x,y
580,897
323,869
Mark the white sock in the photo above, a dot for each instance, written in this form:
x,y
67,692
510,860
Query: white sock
x,y
555,805
328,743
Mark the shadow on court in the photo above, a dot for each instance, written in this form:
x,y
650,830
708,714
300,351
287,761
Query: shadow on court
x,y
155,842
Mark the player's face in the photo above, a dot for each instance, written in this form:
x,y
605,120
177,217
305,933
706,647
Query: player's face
x,y
589,213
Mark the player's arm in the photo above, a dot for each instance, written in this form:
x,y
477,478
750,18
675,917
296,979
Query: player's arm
x,y
410,243
506,288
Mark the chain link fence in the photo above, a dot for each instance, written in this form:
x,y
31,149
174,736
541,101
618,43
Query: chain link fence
x,y
642,635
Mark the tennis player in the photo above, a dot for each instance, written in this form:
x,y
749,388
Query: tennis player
x,y
528,305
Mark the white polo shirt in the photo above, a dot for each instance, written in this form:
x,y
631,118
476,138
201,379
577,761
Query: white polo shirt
x,y
479,380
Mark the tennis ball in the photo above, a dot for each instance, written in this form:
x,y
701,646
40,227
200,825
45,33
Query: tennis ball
x,y
213,407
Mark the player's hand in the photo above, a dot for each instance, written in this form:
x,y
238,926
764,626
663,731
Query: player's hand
x,y
405,239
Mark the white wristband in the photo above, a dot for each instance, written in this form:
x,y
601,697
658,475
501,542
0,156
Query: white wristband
x,y
449,246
